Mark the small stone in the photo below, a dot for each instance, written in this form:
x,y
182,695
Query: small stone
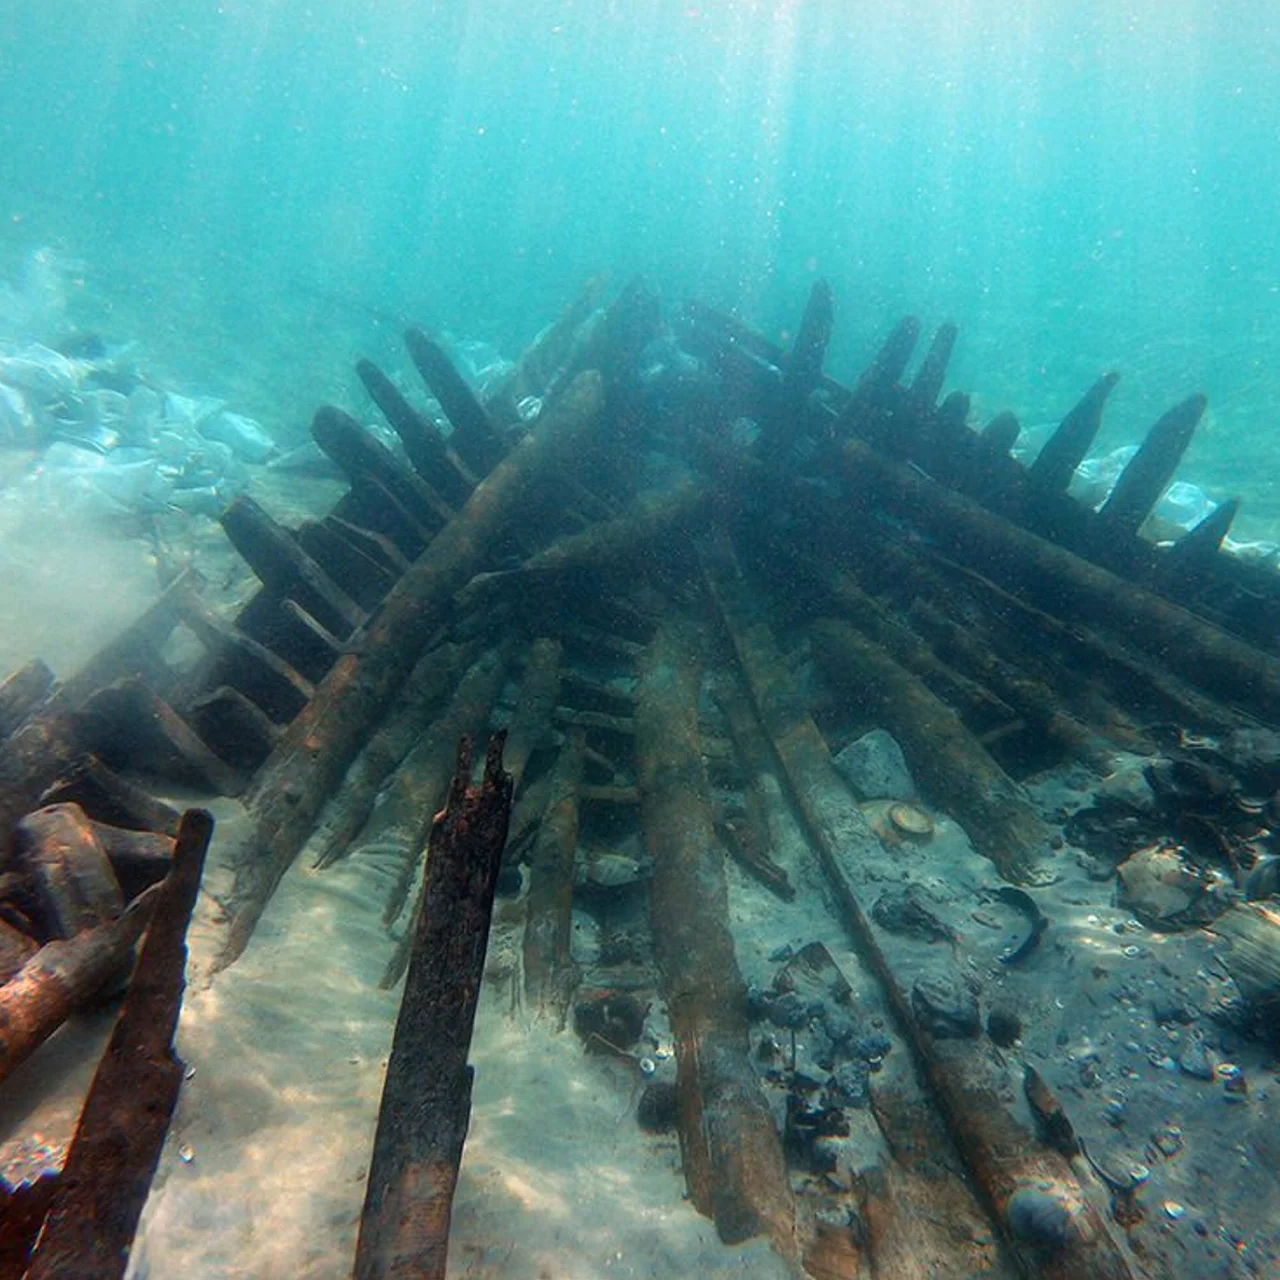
x,y
656,1112
1168,1141
850,1086
876,768
186,1153
1173,1210
1196,1061
787,1011
872,1047
945,1007
1039,1218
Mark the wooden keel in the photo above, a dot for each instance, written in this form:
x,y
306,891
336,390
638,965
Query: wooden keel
x,y
113,1156
426,1100
732,1154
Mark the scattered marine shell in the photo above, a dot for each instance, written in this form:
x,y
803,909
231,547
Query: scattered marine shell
x,y
912,822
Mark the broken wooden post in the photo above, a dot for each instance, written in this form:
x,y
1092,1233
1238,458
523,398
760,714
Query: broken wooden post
x,y
426,1100
945,758
732,1154
549,971
309,761
113,1156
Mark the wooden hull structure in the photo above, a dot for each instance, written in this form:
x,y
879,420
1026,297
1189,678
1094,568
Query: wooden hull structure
x,y
946,591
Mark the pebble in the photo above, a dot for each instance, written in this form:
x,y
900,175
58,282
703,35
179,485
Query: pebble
x,y
1196,1061
1039,1217
1004,1026
1173,1210
876,768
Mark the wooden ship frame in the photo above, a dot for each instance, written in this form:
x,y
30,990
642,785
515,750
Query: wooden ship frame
x,y
966,602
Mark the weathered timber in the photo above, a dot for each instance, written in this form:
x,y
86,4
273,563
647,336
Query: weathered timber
x,y
761,793
926,387
359,454
431,456
138,858
954,770
713,747
116,1148
322,741
1058,581
1002,432
880,377
107,797
70,878
426,1100
129,726
403,818
539,690
371,505
1149,471
234,727
47,743
241,661
609,794
273,553
62,976
549,970
549,353
475,436
22,693
1030,696
801,371
922,1214
731,1152
365,579
1190,561
427,684
376,546
1065,450
652,519
1003,1157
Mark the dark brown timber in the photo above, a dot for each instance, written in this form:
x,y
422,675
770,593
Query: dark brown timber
x,y
426,1100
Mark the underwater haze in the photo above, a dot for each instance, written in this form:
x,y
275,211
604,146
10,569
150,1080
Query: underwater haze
x,y
258,191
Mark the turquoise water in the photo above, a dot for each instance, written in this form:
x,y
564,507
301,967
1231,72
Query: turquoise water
x,y
259,192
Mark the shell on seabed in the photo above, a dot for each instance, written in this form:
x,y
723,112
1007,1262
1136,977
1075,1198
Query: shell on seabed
x,y
912,822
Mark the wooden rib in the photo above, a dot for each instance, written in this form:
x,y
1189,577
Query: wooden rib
x,y
22,693
549,970
475,437
927,384
1150,470
1065,450
426,1099
431,457
274,555
358,453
